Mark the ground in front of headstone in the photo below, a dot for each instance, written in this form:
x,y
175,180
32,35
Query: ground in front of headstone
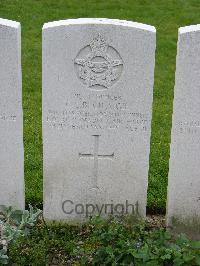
x,y
112,241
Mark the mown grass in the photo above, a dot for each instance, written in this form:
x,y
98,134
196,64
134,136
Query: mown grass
x,y
165,15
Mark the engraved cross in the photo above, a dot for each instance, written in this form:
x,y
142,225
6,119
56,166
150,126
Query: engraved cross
x,y
96,156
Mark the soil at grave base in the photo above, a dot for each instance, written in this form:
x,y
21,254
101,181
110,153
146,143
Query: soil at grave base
x,y
156,221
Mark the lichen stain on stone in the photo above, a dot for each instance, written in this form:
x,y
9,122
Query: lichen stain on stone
x,y
190,226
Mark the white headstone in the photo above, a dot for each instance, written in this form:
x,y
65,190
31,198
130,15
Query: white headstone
x,y
11,118
97,105
183,210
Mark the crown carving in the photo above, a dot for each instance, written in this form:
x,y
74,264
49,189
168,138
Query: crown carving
x,y
99,45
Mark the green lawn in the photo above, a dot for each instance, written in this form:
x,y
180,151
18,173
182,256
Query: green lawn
x,y
165,15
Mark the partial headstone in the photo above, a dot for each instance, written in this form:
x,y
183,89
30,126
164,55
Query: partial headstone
x,y
11,118
183,208
97,106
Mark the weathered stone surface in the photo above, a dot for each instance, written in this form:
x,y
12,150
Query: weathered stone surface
x,y
97,106
11,118
183,208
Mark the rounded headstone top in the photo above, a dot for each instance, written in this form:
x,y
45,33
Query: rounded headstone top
x,y
191,28
101,21
9,23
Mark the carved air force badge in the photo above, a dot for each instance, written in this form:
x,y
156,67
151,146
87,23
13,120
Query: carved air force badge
x,y
98,65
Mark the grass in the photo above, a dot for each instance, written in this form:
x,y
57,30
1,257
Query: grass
x,y
165,15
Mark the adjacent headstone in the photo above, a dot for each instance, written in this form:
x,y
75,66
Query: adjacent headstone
x,y
183,210
97,106
11,118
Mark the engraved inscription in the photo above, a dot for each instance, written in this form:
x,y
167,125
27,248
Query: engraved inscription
x,y
188,127
96,156
7,117
100,111
98,65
